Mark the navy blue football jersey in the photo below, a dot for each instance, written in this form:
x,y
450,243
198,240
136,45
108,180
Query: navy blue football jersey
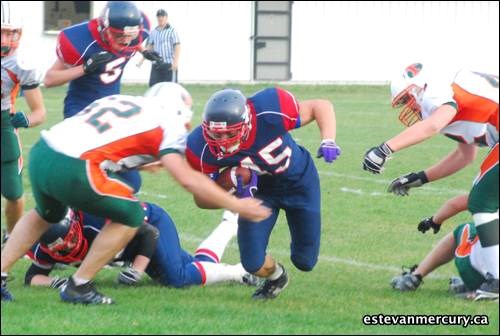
x,y
269,150
75,45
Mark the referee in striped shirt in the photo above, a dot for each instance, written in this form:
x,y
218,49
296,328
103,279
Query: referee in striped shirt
x,y
165,41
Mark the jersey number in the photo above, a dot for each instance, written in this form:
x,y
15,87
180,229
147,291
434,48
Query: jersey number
x,y
126,110
113,71
266,155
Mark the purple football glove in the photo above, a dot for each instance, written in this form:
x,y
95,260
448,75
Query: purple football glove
x,y
329,150
248,190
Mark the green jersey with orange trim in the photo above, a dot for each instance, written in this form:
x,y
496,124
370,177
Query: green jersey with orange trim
x,y
121,130
475,96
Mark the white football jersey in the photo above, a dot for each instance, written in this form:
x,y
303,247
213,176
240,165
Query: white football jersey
x,y
476,97
15,75
121,129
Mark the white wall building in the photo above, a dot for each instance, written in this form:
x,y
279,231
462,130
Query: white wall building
x,y
347,41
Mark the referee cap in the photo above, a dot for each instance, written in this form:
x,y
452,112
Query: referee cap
x,y
161,12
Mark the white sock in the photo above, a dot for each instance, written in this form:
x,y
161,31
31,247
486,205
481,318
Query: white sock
x,y
215,244
490,259
79,281
215,273
489,255
277,273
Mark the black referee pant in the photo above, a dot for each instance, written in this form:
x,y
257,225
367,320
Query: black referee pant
x,y
162,73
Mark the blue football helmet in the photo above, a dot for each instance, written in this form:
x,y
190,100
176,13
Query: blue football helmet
x,y
226,122
121,26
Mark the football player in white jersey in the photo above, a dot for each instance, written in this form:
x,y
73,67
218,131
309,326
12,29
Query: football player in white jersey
x,y
72,173
464,108
15,75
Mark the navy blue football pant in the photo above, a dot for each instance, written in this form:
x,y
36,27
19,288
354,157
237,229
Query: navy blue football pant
x,y
301,202
170,264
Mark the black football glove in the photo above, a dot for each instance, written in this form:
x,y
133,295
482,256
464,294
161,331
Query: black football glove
x,y
376,157
152,56
401,185
57,282
428,223
93,63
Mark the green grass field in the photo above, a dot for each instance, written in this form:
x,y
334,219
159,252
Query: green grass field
x,y
367,235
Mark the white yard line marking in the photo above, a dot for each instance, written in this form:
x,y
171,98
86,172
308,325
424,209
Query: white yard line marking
x,y
325,258
387,182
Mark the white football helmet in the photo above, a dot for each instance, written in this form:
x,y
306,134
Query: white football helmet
x,y
407,91
168,91
12,28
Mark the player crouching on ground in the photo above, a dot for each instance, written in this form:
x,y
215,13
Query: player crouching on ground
x,y
462,245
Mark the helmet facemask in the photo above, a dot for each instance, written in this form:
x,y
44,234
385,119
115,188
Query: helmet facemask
x,y
10,40
70,248
225,140
409,101
12,28
119,40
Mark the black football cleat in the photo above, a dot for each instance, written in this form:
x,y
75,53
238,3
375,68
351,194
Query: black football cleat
x,y
83,294
271,288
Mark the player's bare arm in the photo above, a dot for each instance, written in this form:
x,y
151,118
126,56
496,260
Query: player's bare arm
x,y
38,113
452,207
461,157
323,112
424,129
60,74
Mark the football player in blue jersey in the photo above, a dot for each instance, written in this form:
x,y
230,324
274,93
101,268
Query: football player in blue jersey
x,y
254,133
91,56
155,250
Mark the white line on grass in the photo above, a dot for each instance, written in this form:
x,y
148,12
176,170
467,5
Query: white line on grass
x,y
387,182
325,258
361,192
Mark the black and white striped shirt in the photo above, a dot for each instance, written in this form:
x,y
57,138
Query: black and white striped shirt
x,y
163,41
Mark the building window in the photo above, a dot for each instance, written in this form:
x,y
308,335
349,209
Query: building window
x,y
61,14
